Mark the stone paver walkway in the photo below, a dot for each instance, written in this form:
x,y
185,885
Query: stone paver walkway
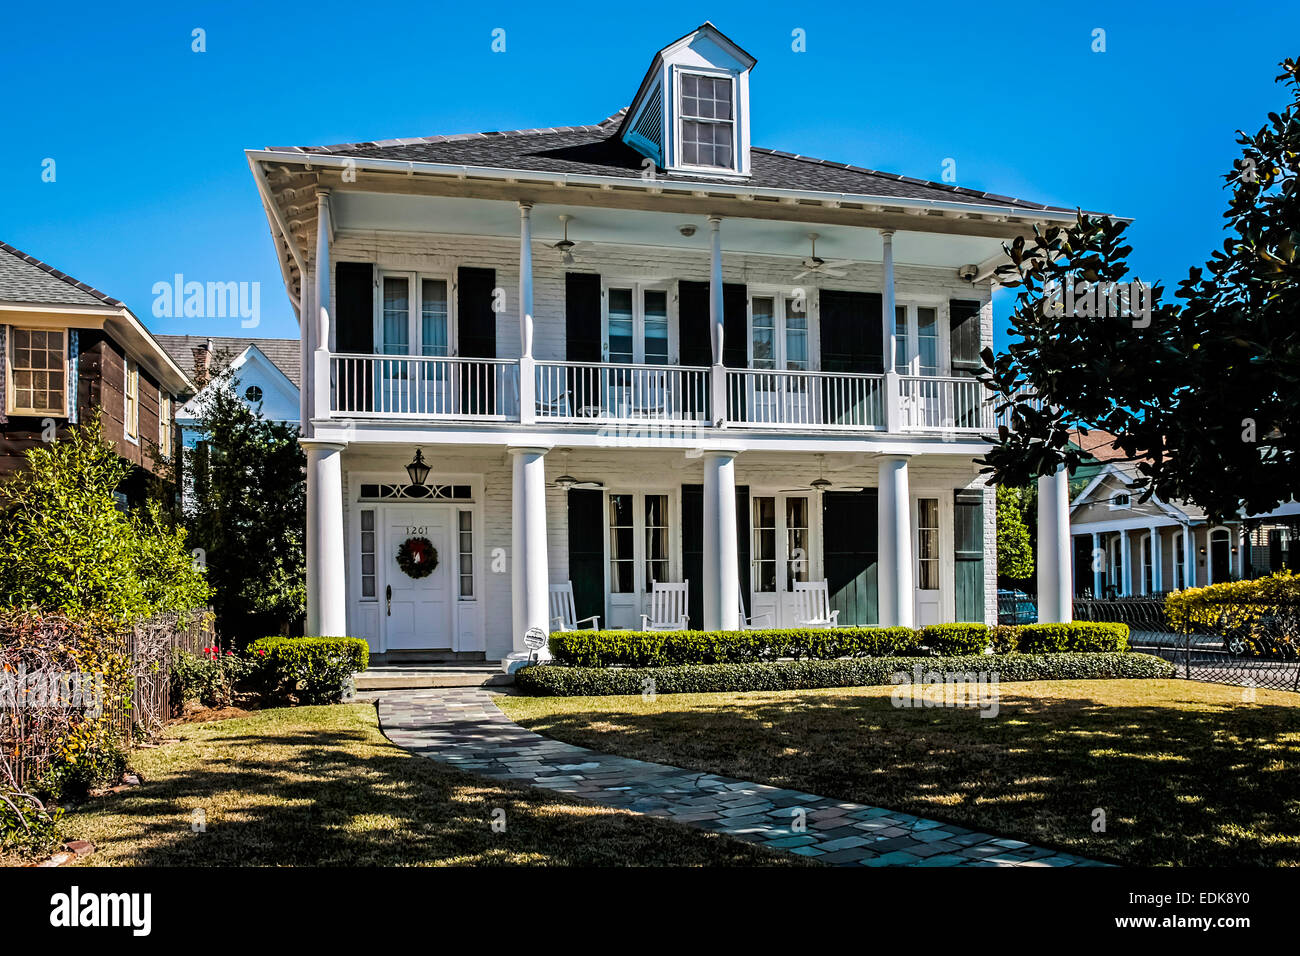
x,y
465,728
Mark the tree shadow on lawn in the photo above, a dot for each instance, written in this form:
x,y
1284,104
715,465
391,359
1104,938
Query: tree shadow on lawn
x,y
350,798
1218,785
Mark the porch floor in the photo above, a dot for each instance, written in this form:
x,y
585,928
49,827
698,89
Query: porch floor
x,y
427,676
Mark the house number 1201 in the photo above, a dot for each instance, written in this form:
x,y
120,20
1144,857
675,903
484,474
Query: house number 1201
x,y
417,529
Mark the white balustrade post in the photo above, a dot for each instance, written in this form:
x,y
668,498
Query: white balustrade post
x,y
1055,586
894,528
721,556
326,591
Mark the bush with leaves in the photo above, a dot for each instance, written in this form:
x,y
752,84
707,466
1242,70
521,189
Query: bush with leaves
x,y
1015,550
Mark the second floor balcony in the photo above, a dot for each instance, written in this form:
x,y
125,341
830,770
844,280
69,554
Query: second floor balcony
x,y
563,393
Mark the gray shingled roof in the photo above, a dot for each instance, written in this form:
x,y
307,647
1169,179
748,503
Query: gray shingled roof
x,y
598,151
283,353
24,278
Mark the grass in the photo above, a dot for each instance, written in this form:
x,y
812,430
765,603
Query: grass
x,y
1186,773
323,786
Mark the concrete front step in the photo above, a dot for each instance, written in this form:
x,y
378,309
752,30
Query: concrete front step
x,y
416,677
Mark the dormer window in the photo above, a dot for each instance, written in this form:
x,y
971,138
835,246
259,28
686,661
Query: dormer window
x,y
708,121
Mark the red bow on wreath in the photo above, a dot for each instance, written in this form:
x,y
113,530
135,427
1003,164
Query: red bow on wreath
x,y
417,557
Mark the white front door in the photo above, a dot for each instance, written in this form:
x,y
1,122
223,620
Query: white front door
x,y
929,565
416,612
780,554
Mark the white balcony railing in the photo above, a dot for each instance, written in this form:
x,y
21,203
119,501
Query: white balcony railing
x,y
944,404
804,400
410,386
586,392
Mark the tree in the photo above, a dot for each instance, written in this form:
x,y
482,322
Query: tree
x,y
249,515
1203,394
66,545
1015,552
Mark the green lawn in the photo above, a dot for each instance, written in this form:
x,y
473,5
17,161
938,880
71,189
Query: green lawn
x,y
1187,773
321,785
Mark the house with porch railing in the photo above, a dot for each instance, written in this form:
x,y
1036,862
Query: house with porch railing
x,y
635,352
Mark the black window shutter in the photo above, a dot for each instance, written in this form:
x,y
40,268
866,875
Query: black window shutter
x,y
693,548
587,552
964,323
852,332
735,325
582,317
968,556
354,293
695,347
476,323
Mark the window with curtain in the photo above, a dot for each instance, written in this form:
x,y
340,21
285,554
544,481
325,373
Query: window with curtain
x,y
764,544
433,317
622,339
901,338
764,322
622,538
927,341
656,327
656,539
796,335
38,366
707,121
927,544
796,534
397,316
368,554
465,552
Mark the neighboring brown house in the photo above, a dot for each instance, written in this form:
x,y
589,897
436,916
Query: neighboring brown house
x,y
67,349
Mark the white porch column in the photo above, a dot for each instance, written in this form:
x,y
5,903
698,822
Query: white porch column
x,y
1125,566
717,324
326,591
324,232
1098,576
896,599
1157,559
529,576
1189,557
721,556
893,385
1055,587
527,364
1242,539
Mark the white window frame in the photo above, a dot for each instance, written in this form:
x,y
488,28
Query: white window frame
x,y
414,310
1114,505
639,287
679,118
912,339
131,401
11,392
781,299
781,531
640,580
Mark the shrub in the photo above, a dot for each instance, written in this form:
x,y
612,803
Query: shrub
x,y
26,824
1077,636
955,638
1004,638
317,669
656,649
1232,603
210,677
558,681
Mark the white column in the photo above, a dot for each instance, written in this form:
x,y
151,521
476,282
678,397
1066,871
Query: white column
x,y
1098,577
1125,566
529,576
326,592
324,231
1055,591
893,385
527,365
1189,557
717,323
721,557
894,520
1242,538
1157,559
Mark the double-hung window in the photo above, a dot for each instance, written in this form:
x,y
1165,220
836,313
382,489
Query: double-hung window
x,y
916,342
164,424
637,518
414,319
708,120
778,332
38,362
636,324
131,407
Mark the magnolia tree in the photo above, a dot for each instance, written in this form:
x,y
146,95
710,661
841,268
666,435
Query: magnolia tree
x,y
1202,391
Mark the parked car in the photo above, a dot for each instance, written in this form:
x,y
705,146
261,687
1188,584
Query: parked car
x,y
1016,607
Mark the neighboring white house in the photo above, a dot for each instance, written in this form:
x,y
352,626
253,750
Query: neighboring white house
x,y
265,374
620,356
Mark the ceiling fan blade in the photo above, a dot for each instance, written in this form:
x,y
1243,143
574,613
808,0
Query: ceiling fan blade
x,y
589,485
794,491
833,273
840,263
802,274
848,489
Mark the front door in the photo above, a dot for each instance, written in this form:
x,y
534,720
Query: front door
x,y
781,554
416,612
639,530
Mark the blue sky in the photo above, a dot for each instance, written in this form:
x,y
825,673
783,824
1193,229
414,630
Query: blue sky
x,y
147,136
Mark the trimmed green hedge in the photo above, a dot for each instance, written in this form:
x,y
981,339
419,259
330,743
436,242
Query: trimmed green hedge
x,y
549,680
661,648
1078,636
949,639
318,669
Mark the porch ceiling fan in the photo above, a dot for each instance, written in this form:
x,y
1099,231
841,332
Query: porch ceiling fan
x,y
821,482
566,481
566,246
816,265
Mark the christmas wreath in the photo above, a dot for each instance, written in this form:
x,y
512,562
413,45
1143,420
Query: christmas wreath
x,y
417,557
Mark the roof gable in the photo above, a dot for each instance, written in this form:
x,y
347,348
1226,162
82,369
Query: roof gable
x,y
251,368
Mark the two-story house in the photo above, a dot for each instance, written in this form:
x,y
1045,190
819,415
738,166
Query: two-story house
x,y
67,350
643,350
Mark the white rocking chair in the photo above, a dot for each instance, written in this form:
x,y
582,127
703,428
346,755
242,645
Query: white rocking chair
x,y
668,603
756,622
564,617
812,605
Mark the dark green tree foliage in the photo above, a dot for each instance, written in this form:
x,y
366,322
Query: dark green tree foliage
x,y
248,514
1206,398
1015,551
